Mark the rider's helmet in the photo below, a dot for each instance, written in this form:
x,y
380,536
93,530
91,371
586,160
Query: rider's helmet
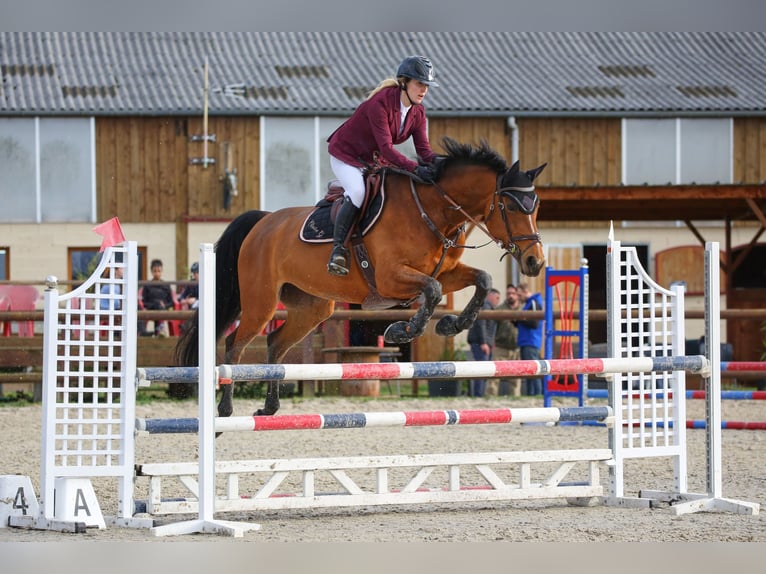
x,y
195,267
418,68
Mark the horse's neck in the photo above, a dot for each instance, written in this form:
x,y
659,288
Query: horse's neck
x,y
456,204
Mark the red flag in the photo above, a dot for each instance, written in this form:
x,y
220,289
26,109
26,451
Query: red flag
x,y
111,231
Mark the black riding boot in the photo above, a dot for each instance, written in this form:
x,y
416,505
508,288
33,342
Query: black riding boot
x,y
339,258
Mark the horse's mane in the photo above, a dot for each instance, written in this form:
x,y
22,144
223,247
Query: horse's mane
x,y
464,153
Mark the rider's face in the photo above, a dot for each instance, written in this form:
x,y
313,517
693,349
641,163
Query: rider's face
x,y
416,92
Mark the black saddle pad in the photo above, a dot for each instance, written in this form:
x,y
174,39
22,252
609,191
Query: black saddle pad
x,y
317,228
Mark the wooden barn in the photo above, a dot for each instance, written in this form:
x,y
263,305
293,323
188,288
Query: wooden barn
x,y
663,134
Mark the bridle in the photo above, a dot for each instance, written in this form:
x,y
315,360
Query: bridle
x,y
526,207
511,246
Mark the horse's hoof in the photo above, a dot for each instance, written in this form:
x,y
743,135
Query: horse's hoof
x,y
398,333
447,326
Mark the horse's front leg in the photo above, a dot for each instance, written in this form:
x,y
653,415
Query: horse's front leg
x,y
451,325
405,331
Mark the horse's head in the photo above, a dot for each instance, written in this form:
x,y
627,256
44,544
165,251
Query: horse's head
x,y
466,176
517,201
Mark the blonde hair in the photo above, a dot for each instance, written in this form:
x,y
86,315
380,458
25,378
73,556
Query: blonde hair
x,y
387,83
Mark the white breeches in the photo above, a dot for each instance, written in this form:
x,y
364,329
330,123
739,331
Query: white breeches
x,y
350,178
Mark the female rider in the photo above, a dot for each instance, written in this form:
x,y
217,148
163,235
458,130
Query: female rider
x,y
391,113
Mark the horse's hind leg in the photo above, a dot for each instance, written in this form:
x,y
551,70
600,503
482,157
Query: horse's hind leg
x,y
251,324
226,404
304,313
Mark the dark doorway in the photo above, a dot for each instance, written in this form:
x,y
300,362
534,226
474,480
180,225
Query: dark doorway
x,y
596,256
748,291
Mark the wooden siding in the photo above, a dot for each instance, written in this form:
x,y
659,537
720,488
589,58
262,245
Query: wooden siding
x,y
750,150
143,171
471,130
578,151
144,175
684,263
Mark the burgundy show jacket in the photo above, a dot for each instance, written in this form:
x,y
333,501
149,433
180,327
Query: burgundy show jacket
x,y
374,126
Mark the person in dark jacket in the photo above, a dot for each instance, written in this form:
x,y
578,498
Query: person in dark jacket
x,y
481,338
391,114
157,297
530,337
506,347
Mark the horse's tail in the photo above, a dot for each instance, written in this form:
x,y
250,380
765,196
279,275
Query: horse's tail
x,y
227,304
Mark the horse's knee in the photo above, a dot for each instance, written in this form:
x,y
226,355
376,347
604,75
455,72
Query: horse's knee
x,y
483,280
432,291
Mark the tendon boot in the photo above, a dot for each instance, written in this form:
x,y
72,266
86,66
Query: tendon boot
x,y
339,258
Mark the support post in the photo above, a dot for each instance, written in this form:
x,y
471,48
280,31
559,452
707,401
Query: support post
x,y
714,500
207,382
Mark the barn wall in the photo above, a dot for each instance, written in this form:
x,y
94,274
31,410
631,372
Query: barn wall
x,y
750,150
144,175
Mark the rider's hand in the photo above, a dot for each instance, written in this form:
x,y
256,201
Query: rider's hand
x,y
425,173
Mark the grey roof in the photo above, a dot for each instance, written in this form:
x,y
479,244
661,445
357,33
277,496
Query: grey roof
x,y
480,73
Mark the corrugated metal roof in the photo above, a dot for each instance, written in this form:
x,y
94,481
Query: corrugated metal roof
x,y
480,73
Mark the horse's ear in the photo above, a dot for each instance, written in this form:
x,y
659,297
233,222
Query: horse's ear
x,y
533,173
514,169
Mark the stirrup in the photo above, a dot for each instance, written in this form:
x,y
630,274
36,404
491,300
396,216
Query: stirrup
x,y
338,264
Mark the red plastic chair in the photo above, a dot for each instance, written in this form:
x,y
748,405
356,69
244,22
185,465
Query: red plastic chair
x,y
174,326
5,326
22,298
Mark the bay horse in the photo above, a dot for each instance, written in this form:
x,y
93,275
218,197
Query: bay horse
x,y
414,247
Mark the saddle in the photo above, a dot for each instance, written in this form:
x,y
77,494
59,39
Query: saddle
x,y
318,226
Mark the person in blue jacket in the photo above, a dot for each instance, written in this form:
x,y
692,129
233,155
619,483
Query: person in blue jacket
x,y
530,337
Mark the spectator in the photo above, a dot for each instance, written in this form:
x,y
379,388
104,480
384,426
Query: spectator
x,y
111,300
530,337
112,292
157,297
481,338
189,297
506,346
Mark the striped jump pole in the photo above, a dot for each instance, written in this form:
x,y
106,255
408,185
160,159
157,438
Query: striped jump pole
x,y
689,424
428,370
743,366
698,394
383,419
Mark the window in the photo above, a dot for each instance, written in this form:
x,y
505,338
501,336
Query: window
x,y
84,260
677,151
5,263
295,164
48,167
